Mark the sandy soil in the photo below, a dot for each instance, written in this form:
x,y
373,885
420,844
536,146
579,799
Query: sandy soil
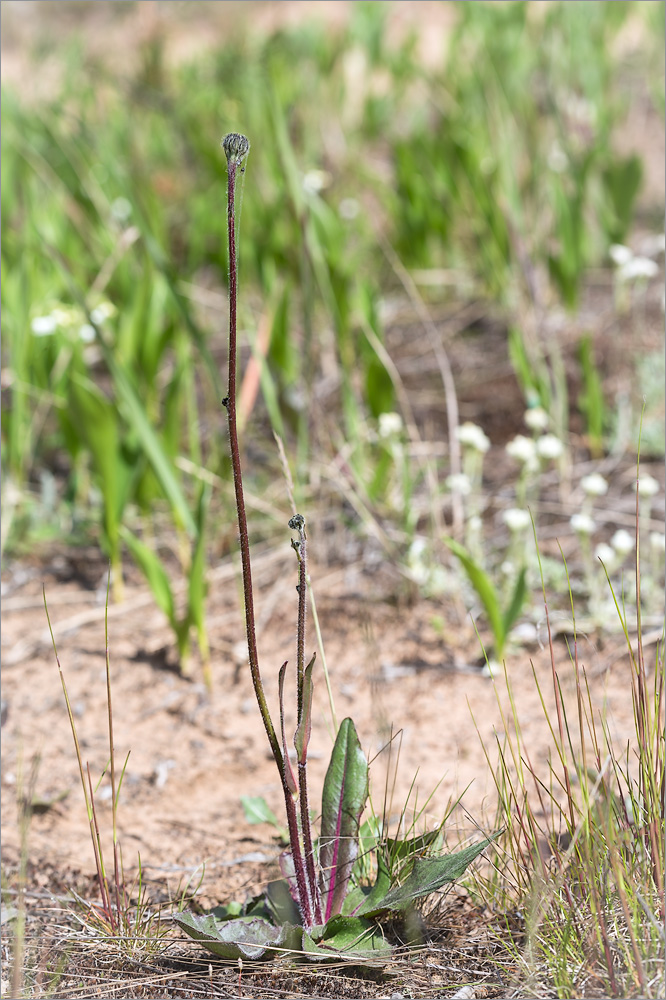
x,y
193,754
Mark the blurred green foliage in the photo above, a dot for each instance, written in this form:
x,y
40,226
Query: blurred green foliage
x,y
497,162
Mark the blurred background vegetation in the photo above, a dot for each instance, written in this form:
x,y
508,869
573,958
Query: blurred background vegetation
x,y
429,206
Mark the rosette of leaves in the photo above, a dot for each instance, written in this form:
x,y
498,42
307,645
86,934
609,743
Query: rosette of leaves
x,y
272,923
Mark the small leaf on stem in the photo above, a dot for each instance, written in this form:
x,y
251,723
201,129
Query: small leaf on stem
x,y
302,736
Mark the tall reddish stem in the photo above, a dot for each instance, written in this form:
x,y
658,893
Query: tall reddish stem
x,y
236,148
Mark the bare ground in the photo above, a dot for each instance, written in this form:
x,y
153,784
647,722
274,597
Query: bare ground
x,y
193,754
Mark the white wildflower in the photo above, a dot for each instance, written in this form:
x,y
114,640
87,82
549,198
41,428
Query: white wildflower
x,y
637,267
44,326
65,316
389,424
648,486
491,668
549,447
349,208
415,560
475,524
121,209
87,333
582,524
605,554
619,254
419,573
101,312
516,519
417,548
523,449
536,418
508,568
594,485
622,542
472,436
459,483
315,181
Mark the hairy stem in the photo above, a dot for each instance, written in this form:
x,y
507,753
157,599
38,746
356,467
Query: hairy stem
x,y
236,148
308,848
304,894
297,523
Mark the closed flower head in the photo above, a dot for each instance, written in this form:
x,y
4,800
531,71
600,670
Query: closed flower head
x,y
236,147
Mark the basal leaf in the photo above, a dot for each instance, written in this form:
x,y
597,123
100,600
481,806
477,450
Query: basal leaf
x,y
347,938
250,938
426,876
344,796
403,850
228,911
369,836
363,899
281,904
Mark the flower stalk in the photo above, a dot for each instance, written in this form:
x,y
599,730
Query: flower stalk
x,y
304,706
236,148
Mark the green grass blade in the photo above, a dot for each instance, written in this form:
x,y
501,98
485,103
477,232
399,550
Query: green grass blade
x,y
150,442
517,600
153,569
484,590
